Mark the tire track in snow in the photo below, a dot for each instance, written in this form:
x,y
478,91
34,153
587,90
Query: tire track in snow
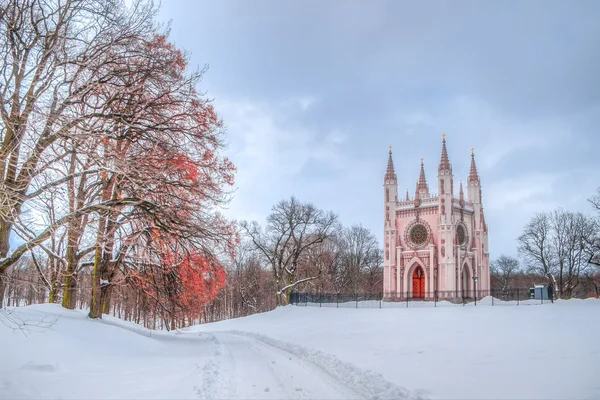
x,y
366,383
210,372
252,369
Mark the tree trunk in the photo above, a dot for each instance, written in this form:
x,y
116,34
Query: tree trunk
x,y
70,282
5,228
2,290
53,297
96,302
70,289
105,296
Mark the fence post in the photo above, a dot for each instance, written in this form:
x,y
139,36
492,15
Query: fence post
x,y
518,296
492,294
406,297
435,298
380,299
337,300
320,299
356,298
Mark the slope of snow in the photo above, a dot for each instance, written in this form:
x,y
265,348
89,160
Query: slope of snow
x,y
535,352
66,355
548,351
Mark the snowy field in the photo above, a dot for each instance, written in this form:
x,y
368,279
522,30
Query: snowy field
x,y
548,351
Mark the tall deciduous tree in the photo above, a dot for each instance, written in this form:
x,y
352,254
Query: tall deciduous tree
x,y
292,229
52,57
100,109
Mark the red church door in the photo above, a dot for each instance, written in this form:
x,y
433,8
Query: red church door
x,y
418,283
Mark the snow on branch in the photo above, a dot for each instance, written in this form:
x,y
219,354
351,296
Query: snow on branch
x,y
291,285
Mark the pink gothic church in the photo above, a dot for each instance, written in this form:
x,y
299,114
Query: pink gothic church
x,y
435,242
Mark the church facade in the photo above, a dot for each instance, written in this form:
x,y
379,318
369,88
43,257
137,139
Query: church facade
x,y
435,244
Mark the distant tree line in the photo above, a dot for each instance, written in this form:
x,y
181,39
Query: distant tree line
x,y
303,248
558,248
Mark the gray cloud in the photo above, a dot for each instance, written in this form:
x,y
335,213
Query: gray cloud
x,y
313,93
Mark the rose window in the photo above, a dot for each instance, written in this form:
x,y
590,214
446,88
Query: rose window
x,y
418,234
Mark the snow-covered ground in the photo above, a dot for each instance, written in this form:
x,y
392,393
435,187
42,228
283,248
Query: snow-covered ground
x,y
543,351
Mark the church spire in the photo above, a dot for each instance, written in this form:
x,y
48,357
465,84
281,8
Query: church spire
x,y
390,174
422,179
444,161
422,188
473,175
462,194
407,197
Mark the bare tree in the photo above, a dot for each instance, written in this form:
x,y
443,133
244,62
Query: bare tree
x,y
556,245
571,231
324,261
503,271
593,242
292,229
535,246
360,252
373,273
56,56
246,279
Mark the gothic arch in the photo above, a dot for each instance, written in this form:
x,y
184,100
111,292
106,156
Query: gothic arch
x,y
466,277
413,264
467,262
416,280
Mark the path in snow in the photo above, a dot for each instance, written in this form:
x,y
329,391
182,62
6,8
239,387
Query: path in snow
x,y
242,367
81,358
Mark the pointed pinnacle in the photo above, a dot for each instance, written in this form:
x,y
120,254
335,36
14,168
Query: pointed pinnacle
x,y
444,161
422,179
390,174
473,175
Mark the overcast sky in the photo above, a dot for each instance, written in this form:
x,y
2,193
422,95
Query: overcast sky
x,y
313,93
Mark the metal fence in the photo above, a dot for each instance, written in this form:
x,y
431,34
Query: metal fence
x,y
512,297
